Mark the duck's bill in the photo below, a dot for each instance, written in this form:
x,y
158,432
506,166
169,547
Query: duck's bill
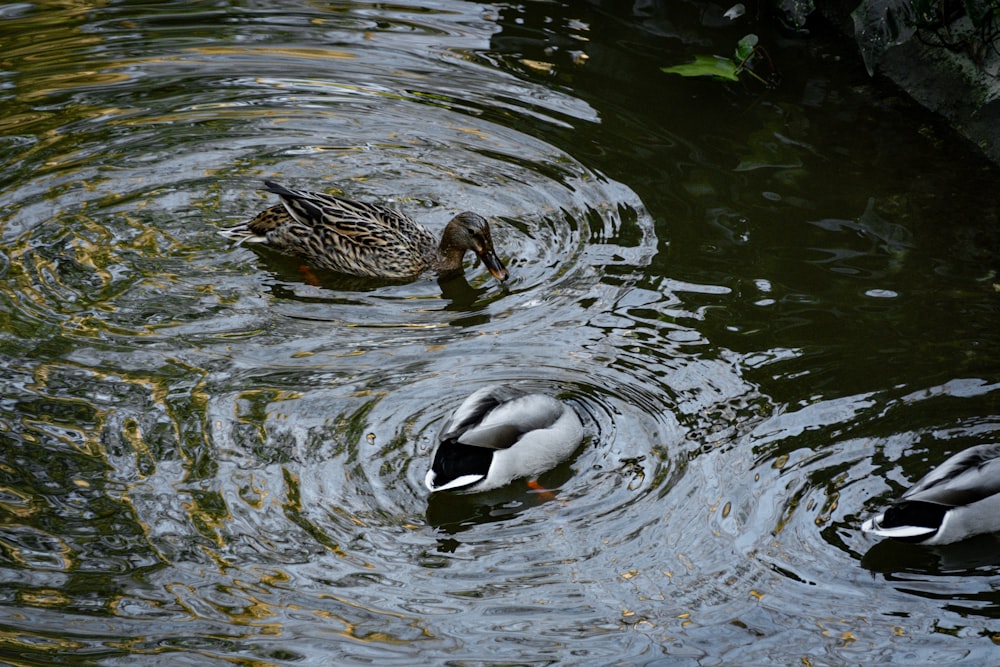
x,y
495,266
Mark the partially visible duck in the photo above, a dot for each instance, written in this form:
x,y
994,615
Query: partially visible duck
x,y
501,433
365,239
958,499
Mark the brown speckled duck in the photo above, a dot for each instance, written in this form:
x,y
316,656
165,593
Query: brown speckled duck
x,y
365,239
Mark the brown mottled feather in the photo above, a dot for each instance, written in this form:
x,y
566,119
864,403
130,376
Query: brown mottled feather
x,y
365,239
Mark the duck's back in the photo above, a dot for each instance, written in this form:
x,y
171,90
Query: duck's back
x,y
347,236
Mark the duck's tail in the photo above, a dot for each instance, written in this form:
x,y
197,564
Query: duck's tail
x,y
242,233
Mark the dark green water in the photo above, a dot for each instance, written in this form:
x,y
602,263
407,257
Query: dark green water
x,y
774,310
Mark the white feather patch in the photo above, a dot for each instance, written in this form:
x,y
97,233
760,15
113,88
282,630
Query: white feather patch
x,y
458,482
873,526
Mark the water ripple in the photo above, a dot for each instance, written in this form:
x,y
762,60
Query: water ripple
x,y
208,456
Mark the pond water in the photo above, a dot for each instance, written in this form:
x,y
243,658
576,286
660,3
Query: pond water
x,y
773,309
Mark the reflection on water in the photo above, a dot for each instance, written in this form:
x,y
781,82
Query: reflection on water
x,y
208,456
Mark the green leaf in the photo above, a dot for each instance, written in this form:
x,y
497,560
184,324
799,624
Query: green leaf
x,y
745,47
716,66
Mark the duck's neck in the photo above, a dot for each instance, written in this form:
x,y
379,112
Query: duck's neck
x,y
449,255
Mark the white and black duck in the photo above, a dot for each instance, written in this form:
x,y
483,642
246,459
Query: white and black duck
x,y
501,433
957,500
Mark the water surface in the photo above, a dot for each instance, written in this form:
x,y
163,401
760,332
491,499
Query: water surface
x,y
773,309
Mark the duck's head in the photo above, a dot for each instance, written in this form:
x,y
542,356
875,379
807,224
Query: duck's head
x,y
470,231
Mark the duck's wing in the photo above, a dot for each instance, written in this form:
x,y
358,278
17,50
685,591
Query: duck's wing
x,y
496,417
365,224
963,479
